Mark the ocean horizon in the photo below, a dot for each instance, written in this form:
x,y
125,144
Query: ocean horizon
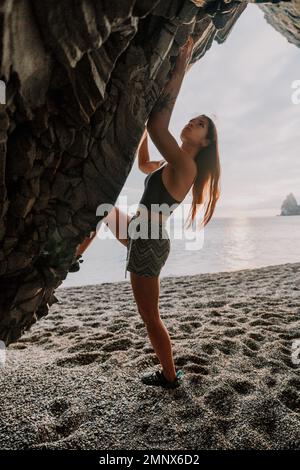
x,y
225,244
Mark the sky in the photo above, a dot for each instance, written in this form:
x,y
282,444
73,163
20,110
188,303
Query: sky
x,y
245,85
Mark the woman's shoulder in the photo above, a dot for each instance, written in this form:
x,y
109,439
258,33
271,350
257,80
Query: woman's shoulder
x,y
186,168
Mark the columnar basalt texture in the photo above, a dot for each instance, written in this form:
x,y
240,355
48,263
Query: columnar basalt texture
x,y
285,18
81,79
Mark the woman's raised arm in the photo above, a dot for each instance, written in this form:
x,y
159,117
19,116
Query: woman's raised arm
x,y
145,165
160,115
159,119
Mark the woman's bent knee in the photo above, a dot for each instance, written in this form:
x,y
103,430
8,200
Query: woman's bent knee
x,y
117,221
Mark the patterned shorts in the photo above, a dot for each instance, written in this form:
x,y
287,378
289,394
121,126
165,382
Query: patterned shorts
x,y
147,253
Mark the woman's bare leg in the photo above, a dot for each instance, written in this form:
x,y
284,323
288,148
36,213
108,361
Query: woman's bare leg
x,y
146,293
115,220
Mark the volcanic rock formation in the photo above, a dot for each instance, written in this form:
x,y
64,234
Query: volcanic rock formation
x,y
81,79
290,206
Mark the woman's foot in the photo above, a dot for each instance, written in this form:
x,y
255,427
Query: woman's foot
x,y
75,266
158,378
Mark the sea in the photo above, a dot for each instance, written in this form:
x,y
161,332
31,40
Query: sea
x,y
225,244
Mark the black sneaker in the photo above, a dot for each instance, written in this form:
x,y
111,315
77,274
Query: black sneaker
x,y
75,266
158,378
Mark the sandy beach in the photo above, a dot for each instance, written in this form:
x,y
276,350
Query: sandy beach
x,y
73,381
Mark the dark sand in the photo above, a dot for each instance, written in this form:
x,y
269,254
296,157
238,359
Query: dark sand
x,y
73,381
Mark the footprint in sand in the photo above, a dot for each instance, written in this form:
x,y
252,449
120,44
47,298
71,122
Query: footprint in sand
x,y
120,344
59,405
241,386
231,332
216,303
228,347
222,399
193,363
87,346
290,397
250,343
256,336
64,420
208,348
81,359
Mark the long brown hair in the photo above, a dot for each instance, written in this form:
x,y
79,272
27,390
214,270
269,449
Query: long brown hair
x,y
207,182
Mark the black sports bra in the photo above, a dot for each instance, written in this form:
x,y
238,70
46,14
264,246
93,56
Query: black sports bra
x,y
155,192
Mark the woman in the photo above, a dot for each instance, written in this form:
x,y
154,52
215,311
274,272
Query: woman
x,y
195,163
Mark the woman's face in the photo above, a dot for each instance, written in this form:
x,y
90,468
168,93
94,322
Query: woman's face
x,y
195,131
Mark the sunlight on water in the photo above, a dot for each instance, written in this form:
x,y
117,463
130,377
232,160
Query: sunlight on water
x,y
225,244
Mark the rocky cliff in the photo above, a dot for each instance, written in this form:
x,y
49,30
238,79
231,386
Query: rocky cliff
x,y
81,79
290,206
285,18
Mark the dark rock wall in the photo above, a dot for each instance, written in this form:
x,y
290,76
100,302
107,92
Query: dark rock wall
x,y
82,78
285,18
